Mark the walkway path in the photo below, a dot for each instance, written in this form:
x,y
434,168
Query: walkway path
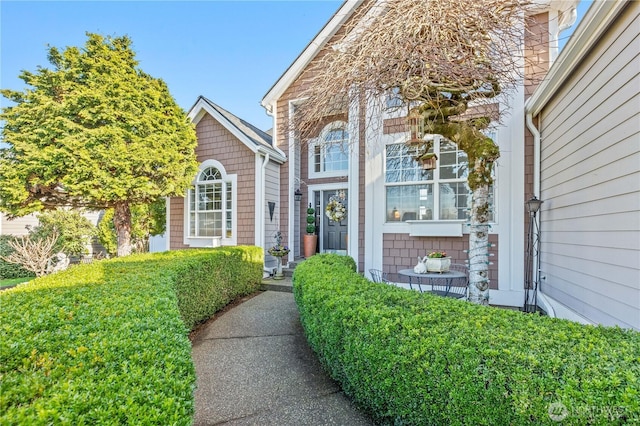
x,y
254,367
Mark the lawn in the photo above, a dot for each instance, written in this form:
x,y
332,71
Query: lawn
x,y
14,281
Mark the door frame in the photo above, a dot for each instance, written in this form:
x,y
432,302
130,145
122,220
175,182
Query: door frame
x,y
311,189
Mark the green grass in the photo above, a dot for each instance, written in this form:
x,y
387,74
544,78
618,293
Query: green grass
x,y
14,281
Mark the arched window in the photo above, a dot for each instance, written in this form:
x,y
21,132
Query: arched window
x,y
211,204
329,154
413,193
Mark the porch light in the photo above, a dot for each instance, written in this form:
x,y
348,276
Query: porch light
x,y
297,195
533,205
415,124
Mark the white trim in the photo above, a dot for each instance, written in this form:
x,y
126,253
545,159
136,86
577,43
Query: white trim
x,y
330,187
260,199
353,208
270,99
167,230
291,202
213,241
596,21
319,141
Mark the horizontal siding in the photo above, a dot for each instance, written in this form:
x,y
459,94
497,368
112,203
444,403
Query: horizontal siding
x,y
590,182
272,193
17,226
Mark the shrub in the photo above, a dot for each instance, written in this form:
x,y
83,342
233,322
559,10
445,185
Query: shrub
x,y
415,359
74,231
104,343
10,270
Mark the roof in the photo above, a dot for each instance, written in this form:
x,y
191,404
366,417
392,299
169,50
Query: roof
x,y
594,24
255,139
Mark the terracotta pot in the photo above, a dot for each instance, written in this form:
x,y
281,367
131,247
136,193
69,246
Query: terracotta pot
x,y
310,242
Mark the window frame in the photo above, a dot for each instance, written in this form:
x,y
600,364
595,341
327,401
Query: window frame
x,y
322,143
228,210
435,183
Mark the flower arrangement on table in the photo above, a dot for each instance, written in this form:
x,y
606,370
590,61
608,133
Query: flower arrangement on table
x,y
335,210
437,254
279,250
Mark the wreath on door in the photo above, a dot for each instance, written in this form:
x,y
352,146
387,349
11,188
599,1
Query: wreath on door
x,y
335,210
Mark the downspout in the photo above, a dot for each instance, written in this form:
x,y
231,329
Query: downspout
x,y
536,192
263,198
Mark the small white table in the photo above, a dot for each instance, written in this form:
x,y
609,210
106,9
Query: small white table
x,y
440,283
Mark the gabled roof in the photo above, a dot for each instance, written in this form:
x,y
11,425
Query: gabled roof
x,y
255,139
313,48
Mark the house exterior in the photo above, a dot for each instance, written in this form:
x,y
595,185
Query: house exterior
x,y
585,118
393,213
18,226
235,199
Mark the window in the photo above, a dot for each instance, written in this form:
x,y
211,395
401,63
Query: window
x,y
413,193
329,154
211,205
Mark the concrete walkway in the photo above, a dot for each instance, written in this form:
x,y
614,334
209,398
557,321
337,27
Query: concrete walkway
x,y
254,367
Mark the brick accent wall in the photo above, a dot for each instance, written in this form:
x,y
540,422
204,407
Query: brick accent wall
x,y
215,142
400,251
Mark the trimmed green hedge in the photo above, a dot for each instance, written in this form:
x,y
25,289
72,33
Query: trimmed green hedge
x,y
417,359
107,342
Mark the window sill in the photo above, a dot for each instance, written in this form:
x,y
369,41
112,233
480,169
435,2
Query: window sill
x,y
202,242
428,228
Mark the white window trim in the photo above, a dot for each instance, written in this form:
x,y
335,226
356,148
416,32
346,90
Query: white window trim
x,y
319,141
213,241
429,227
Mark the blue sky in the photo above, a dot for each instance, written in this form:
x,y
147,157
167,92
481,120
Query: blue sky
x,y
229,51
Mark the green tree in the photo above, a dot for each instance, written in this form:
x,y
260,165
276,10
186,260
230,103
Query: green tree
x,y
95,131
146,220
74,230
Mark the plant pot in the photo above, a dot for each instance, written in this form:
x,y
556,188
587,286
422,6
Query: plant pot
x,y
438,264
310,242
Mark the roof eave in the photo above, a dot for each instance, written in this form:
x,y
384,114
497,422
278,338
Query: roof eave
x,y
596,21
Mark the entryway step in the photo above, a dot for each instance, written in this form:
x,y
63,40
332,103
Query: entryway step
x,y
284,285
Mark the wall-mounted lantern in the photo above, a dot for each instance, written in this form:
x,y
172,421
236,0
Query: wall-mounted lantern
x,y
415,124
297,195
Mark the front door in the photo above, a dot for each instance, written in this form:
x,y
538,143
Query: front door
x,y
334,234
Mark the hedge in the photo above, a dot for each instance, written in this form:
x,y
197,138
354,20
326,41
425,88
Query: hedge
x,y
107,342
412,358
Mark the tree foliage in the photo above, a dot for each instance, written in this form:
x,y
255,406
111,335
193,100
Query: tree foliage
x,y
75,232
441,57
94,131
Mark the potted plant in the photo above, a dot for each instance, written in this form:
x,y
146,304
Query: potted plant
x,y
438,261
310,238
